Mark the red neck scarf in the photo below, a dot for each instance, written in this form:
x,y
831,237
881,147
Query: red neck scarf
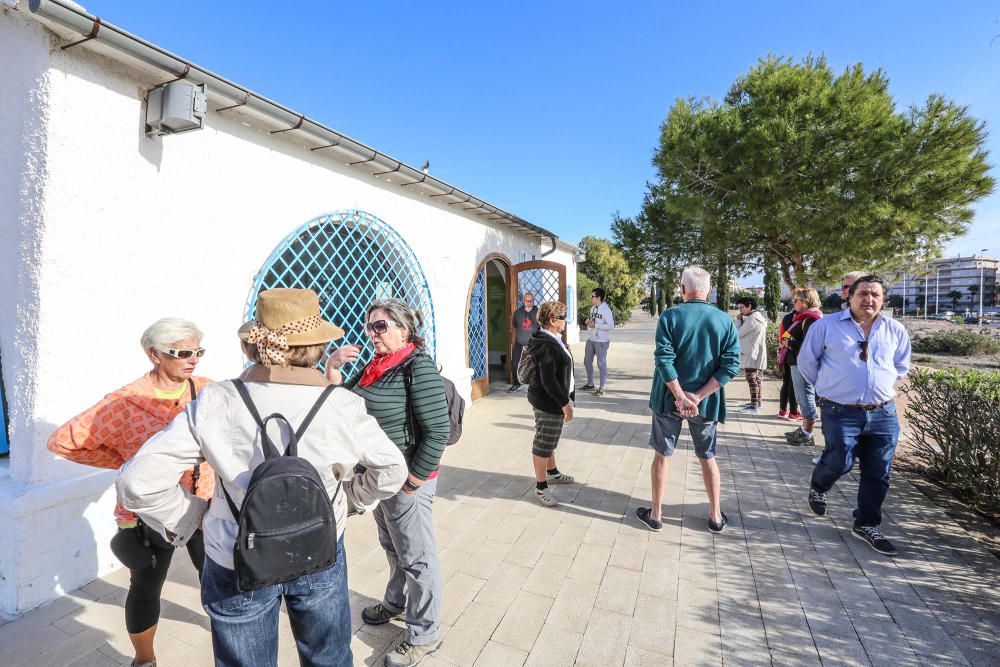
x,y
379,365
810,314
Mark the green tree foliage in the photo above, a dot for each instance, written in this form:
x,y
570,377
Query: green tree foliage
x,y
954,296
973,291
608,266
815,170
584,287
772,287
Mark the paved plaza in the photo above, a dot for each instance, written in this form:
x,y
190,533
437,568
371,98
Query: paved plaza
x,y
585,583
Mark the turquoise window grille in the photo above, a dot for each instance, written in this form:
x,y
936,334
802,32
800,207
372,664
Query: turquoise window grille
x,y
349,258
478,355
542,283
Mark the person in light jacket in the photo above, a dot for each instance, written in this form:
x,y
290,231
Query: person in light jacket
x,y
286,341
751,324
600,324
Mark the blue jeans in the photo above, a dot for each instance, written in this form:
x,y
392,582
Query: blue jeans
x,y
868,435
805,394
245,625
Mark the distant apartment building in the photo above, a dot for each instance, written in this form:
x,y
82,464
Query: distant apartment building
x,y
950,283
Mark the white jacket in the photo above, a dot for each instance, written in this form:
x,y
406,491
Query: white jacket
x,y
218,428
753,340
604,323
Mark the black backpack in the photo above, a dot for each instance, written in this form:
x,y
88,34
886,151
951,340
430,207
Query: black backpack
x,y
525,367
456,404
286,523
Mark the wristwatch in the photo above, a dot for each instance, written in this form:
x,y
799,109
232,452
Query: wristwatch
x,y
410,485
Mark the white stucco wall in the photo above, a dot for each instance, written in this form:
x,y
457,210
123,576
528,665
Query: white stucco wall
x,y
103,230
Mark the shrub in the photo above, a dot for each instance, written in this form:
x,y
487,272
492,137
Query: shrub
x,y
955,420
772,348
956,343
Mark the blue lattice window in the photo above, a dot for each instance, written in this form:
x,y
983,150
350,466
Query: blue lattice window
x,y
542,283
478,355
349,258
570,304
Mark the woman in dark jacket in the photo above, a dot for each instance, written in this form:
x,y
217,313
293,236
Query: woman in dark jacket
x,y
551,395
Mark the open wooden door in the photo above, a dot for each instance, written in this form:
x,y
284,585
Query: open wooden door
x,y
545,280
488,326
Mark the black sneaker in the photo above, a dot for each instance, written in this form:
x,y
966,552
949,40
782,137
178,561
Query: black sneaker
x,y
514,387
719,527
586,387
654,525
873,537
798,438
817,502
377,614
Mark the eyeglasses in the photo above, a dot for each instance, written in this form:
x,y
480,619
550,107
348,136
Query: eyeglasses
x,y
559,317
863,344
379,326
847,286
185,354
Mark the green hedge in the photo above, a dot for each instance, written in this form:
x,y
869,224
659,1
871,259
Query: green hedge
x,y
954,416
963,343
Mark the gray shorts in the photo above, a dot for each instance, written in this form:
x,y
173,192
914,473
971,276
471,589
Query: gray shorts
x,y
667,431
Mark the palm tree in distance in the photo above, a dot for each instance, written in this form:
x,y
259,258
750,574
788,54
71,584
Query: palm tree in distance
x,y
954,295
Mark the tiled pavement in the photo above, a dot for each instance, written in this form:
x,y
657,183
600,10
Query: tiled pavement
x,y
586,584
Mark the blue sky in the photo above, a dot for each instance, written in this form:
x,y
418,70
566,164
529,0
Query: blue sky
x,y
552,110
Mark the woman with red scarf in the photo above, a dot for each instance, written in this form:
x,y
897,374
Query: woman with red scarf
x,y
416,419
805,301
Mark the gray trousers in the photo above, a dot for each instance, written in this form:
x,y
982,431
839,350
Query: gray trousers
x,y
601,350
406,533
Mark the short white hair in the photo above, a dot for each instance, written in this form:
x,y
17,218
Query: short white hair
x,y
161,333
696,279
854,275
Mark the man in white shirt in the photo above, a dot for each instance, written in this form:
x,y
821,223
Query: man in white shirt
x,y
599,326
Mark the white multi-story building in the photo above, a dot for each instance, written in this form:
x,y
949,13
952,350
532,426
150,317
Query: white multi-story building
x,y
936,282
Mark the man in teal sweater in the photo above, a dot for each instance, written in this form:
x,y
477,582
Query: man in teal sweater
x,y
697,353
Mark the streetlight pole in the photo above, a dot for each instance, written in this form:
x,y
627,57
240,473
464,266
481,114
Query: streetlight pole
x,y
937,288
904,293
982,266
927,290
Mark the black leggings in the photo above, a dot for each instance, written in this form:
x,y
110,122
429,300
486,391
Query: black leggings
x,y
787,395
142,606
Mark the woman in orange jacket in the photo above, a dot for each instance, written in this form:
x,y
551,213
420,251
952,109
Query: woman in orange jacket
x,y
111,432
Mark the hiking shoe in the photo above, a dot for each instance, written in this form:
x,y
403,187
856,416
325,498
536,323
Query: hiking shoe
x,y
559,478
599,392
873,537
514,387
654,525
407,655
544,497
795,415
798,437
377,614
587,387
817,502
144,663
750,410
719,527
783,414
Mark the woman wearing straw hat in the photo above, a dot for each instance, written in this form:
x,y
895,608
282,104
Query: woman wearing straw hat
x,y
109,434
416,419
285,342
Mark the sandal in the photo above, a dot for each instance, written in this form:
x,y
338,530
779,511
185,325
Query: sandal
x,y
544,497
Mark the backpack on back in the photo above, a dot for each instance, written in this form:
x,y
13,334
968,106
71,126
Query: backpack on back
x,y
456,404
286,524
526,367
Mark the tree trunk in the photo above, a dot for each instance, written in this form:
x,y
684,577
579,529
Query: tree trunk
x,y
722,283
772,288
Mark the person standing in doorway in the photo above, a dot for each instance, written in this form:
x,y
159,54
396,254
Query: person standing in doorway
x,y
525,324
599,326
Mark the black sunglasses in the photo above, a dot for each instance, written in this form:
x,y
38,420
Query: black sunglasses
x,y
863,344
559,317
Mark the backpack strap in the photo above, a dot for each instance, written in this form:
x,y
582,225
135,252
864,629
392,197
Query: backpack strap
x,y
196,471
270,449
293,446
409,424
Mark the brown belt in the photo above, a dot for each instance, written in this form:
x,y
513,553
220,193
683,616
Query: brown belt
x,y
873,406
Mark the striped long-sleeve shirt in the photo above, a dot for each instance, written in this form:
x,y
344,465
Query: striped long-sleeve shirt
x,y
386,402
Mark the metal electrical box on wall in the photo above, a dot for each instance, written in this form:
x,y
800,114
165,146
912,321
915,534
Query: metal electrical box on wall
x,y
178,106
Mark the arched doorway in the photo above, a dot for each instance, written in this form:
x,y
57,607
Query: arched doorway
x,y
488,329
349,258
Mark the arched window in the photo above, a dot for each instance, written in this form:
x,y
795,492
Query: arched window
x,y
349,258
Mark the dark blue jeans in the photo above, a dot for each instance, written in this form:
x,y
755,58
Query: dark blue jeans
x,y
869,436
245,625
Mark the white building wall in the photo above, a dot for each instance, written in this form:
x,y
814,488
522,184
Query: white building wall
x,y
112,230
